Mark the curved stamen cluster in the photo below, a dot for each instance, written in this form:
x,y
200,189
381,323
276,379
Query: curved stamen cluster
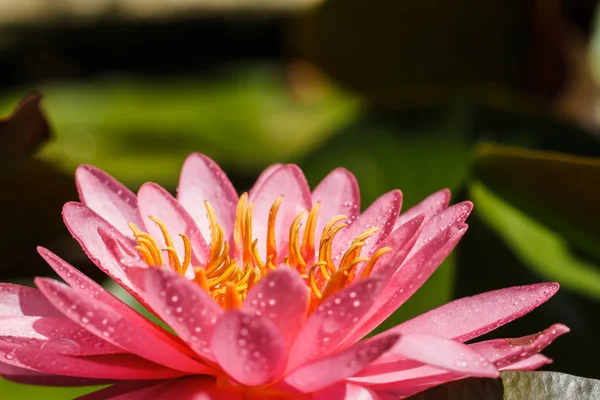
x,y
230,272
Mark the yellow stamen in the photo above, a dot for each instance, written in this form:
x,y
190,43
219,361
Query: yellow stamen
x,y
228,276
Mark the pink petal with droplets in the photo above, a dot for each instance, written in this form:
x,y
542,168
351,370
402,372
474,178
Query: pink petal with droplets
x,y
83,223
411,275
470,317
188,309
329,370
338,194
452,216
115,366
105,322
504,352
333,320
30,377
442,353
397,373
86,286
282,298
529,364
401,241
429,207
155,201
289,181
202,180
17,300
382,213
249,348
107,197
60,334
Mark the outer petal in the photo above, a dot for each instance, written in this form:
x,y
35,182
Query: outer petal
x,y
202,180
332,321
338,194
452,216
83,223
155,201
84,285
189,310
57,334
411,275
382,213
17,300
429,207
469,317
504,352
282,298
286,180
442,353
263,177
249,348
107,197
102,320
529,364
329,370
187,388
116,366
30,377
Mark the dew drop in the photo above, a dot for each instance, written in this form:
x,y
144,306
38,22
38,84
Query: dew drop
x,y
62,346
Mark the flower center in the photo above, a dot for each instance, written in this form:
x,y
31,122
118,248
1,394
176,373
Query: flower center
x,y
230,272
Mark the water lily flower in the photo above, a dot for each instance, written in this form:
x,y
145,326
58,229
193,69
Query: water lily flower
x,y
268,295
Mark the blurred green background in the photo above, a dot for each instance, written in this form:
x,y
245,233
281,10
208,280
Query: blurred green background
x,y
497,100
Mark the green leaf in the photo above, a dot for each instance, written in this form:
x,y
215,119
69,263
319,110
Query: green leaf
x,y
548,386
141,130
558,189
536,245
18,391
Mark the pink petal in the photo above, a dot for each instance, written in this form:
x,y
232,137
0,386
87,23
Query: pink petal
x,y
17,300
30,377
345,391
286,180
329,370
202,180
382,213
116,366
333,319
155,201
282,298
411,275
188,309
430,206
401,241
263,177
58,334
452,216
529,364
400,373
442,353
83,223
86,286
470,317
104,321
338,194
249,348
107,197
504,352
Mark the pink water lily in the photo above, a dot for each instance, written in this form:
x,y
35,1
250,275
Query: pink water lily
x,y
268,294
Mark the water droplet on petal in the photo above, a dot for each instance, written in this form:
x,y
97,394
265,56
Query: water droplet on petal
x,y
62,346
